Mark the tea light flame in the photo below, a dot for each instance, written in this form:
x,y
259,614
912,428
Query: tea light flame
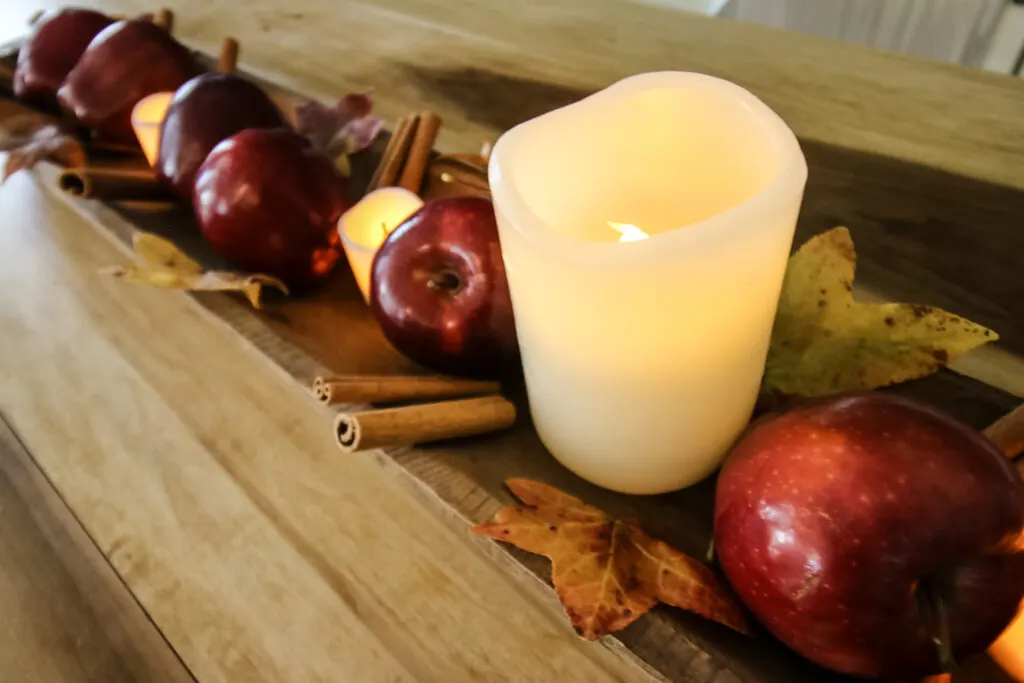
x,y
630,233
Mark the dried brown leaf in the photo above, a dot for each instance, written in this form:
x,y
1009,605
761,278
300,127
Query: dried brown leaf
x,y
606,572
29,139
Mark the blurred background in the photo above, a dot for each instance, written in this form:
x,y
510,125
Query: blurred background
x,y
982,33
987,34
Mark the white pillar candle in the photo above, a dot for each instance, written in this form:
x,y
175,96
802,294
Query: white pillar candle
x,y
147,118
364,227
645,232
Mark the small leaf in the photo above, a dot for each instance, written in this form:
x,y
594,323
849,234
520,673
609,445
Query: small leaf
x,y
29,139
824,342
343,128
164,265
607,573
156,251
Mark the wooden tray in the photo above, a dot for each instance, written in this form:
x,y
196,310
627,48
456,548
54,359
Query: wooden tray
x,y
888,205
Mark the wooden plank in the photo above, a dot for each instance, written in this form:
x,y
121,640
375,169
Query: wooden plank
x,y
495,73
211,483
65,615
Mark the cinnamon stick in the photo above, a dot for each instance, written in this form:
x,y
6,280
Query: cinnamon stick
x,y
422,423
228,60
419,154
394,388
395,153
164,18
1007,433
6,78
114,184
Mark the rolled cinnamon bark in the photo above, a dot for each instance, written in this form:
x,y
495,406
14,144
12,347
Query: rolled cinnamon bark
x,y
394,388
1007,433
6,79
114,184
395,153
419,153
422,423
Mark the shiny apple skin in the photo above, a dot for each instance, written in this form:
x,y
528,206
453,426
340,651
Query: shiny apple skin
x,y
56,44
827,518
209,108
124,63
468,331
268,202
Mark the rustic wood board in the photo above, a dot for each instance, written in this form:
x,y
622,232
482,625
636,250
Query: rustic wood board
x,y
332,331
66,615
924,234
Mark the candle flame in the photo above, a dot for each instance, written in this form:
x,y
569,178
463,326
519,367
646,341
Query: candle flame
x,y
630,233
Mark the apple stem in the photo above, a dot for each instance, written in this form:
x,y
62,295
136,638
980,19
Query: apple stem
x,y
711,551
384,228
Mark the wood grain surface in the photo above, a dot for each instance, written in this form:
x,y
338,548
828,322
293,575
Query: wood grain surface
x,y
65,615
206,474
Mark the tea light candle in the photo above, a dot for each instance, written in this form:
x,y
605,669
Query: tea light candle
x,y
364,227
147,118
645,232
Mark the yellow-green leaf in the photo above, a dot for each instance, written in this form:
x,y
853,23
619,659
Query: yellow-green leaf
x,y
160,253
163,265
824,342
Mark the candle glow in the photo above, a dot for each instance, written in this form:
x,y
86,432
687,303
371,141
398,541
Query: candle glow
x,y
643,361
365,226
147,118
629,233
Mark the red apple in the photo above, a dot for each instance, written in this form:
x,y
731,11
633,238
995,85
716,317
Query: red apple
x,y
209,108
268,202
439,292
124,63
57,42
842,524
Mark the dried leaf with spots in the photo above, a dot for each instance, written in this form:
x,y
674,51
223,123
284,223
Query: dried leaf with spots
x,y
156,251
164,265
29,139
606,572
824,342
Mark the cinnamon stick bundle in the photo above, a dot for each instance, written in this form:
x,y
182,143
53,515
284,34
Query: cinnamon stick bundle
x,y
422,423
114,184
395,388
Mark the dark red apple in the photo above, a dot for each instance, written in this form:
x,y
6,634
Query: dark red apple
x,y
209,108
269,202
56,44
847,525
439,292
124,63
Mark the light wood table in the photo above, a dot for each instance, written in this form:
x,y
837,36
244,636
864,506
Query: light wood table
x,y
172,506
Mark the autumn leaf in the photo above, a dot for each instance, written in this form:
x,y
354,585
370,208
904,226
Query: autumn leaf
x,y
606,572
340,129
29,139
824,342
164,265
